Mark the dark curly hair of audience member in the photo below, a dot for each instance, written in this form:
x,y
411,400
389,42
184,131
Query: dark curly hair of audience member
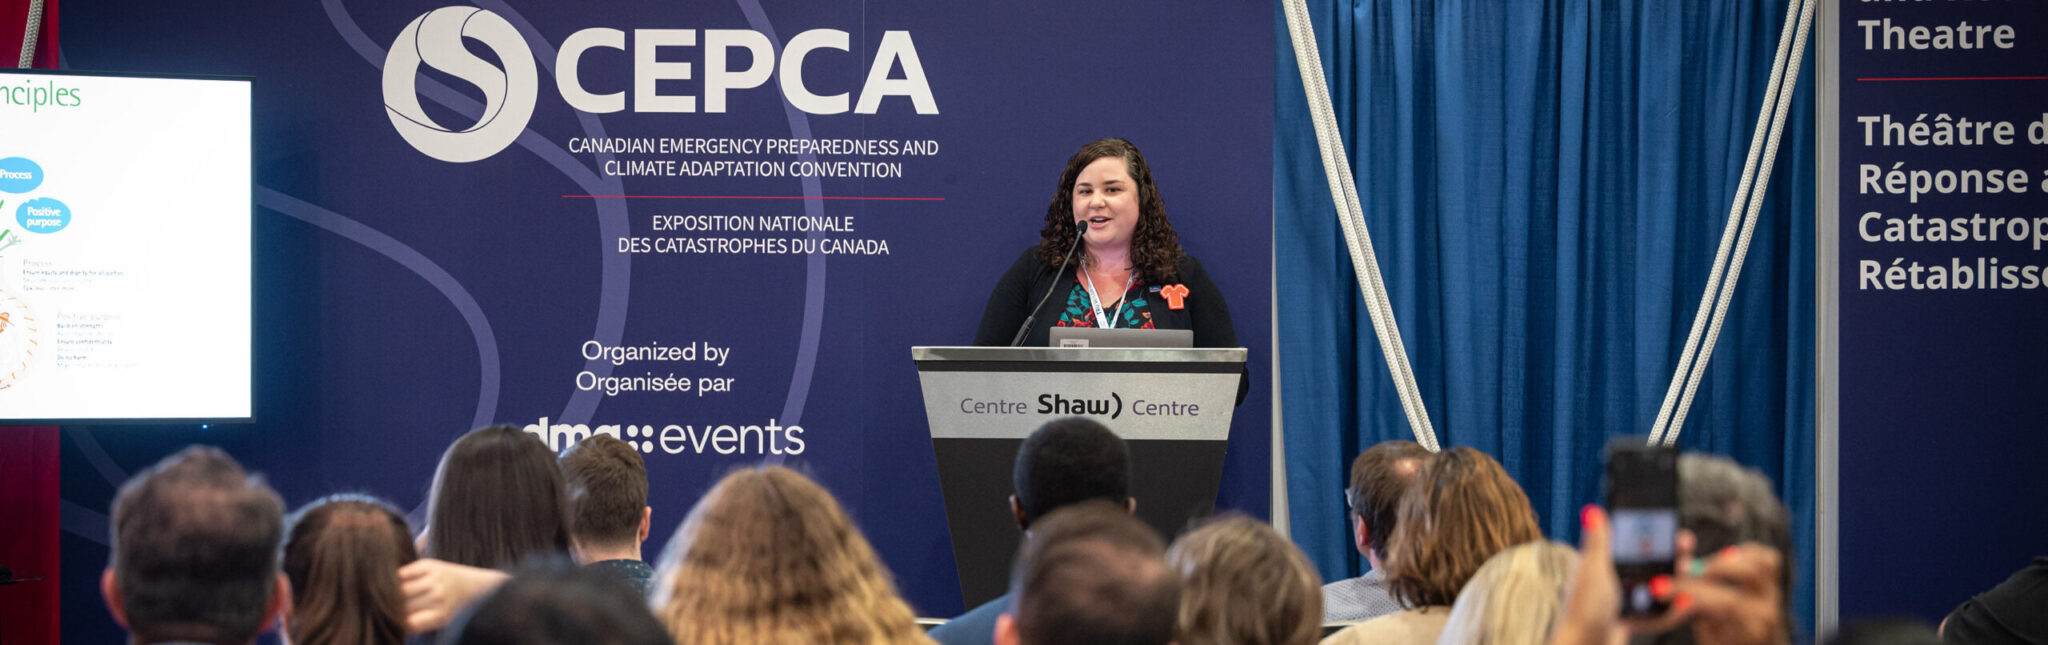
x,y
497,499
1067,461
342,556
1155,248
1463,509
768,556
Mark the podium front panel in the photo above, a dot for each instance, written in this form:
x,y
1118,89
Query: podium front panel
x,y
1172,406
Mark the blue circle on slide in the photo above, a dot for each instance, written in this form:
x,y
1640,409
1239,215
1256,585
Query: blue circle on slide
x,y
43,215
19,175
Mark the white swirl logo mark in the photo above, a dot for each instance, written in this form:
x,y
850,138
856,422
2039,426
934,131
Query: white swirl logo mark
x,y
435,39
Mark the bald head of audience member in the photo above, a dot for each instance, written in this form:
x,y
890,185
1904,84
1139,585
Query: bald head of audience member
x,y
195,552
1068,461
607,485
1091,574
1378,478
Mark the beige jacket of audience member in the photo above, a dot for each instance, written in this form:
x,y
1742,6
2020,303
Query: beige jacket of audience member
x,y
1411,627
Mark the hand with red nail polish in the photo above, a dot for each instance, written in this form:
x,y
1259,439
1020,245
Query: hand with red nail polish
x,y
1660,587
1592,608
1592,601
1739,598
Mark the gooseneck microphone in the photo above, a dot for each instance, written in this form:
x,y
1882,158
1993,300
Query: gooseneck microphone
x,y
1080,227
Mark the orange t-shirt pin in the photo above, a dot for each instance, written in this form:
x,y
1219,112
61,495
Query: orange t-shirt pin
x,y
1176,296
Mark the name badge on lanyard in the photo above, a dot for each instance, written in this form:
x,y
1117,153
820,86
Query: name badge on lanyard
x,y
1094,299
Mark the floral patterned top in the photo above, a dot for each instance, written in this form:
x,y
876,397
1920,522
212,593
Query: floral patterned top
x,y
1079,312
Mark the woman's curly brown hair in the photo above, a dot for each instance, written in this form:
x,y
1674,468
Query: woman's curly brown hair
x,y
1155,249
769,557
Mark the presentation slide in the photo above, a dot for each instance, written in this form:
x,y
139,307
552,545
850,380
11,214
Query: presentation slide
x,y
124,248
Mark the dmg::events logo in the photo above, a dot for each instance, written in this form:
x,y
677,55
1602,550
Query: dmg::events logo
x,y
436,38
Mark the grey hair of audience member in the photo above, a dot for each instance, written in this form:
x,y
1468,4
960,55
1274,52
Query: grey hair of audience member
x,y
1725,504
1514,598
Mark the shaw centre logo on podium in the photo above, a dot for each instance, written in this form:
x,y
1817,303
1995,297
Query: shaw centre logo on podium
x,y
1052,404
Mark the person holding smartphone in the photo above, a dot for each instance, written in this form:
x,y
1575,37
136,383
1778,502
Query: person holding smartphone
x,y
1736,593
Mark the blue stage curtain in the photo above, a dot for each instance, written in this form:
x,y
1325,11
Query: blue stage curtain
x,y
1545,183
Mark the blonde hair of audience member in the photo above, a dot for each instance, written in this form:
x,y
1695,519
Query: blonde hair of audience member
x,y
1515,597
342,556
1244,584
1463,509
769,557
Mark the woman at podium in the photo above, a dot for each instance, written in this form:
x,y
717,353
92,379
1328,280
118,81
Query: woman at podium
x,y
1106,258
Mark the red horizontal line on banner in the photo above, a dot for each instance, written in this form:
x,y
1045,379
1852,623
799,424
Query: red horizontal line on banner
x,y
826,197
1958,78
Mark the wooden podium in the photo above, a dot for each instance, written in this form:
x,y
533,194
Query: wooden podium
x,y
1173,406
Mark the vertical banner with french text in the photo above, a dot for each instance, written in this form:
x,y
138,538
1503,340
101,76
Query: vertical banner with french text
x,y
1943,293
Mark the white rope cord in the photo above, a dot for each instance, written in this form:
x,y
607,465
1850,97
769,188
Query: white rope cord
x,y
1756,199
31,33
1704,313
1351,216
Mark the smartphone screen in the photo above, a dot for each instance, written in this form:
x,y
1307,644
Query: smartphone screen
x,y
1642,502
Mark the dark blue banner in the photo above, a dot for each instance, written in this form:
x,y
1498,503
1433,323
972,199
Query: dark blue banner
x,y
715,229
1943,239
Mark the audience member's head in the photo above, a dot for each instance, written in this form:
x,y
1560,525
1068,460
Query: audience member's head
x,y
1066,461
1725,504
1515,597
195,552
1378,478
1090,574
1242,583
497,499
342,556
1463,509
607,485
557,605
768,556
1884,631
